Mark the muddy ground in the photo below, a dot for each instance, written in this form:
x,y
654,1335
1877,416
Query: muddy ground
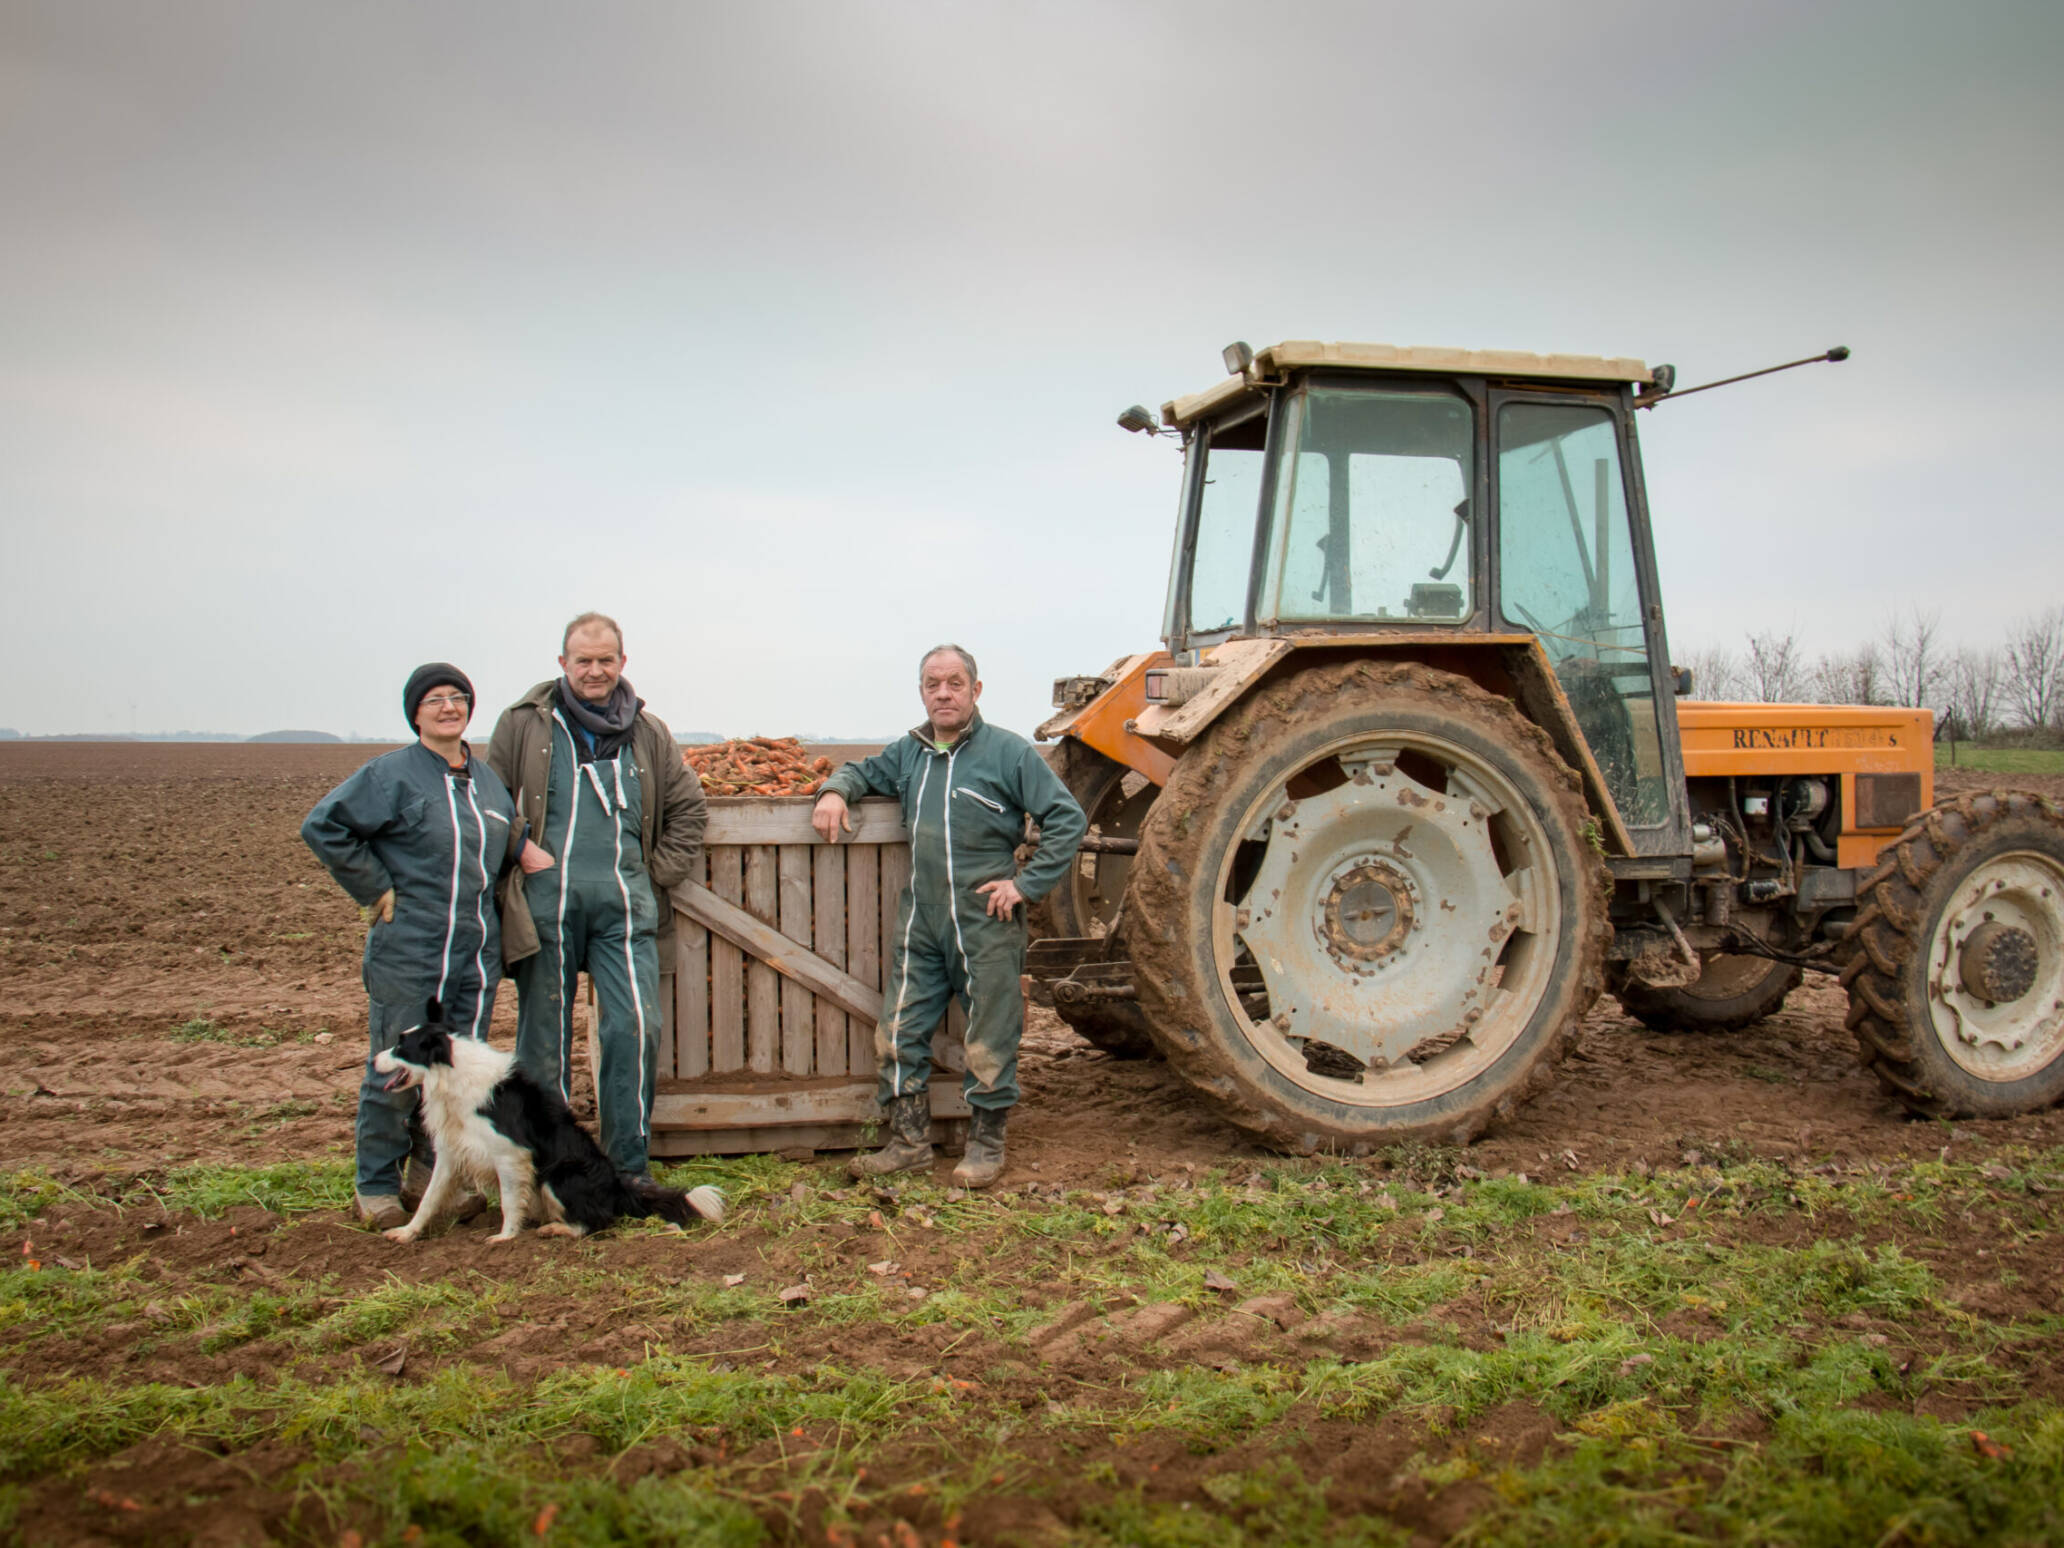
x,y
146,888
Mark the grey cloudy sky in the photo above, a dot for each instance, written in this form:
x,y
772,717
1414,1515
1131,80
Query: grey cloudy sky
x,y
344,337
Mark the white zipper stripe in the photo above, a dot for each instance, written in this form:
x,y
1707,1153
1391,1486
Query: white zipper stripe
x,y
565,871
994,806
903,989
480,918
952,891
630,959
451,916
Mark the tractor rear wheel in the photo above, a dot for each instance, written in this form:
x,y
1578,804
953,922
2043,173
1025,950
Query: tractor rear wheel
x,y
1731,993
1366,910
1956,959
1115,799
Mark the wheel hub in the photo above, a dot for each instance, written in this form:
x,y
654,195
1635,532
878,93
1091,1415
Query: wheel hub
x,y
1368,912
1996,968
1380,912
1998,962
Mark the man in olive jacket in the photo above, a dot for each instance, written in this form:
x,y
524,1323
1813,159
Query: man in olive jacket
x,y
966,788
615,820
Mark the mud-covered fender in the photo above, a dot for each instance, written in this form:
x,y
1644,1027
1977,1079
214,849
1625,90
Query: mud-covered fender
x,y
1120,724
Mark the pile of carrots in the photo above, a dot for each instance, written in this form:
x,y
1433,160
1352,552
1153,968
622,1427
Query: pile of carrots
x,y
757,765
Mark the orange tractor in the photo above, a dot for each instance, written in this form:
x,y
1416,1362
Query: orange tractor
x,y
1409,784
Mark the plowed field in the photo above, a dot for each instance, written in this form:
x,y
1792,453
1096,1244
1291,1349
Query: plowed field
x,y
180,1009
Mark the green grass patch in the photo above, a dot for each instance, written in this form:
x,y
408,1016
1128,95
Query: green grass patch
x,y
210,1189
2000,760
1731,1349
201,1029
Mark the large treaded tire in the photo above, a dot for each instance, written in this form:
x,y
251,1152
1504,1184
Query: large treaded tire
x,y
1184,847
1907,900
1726,998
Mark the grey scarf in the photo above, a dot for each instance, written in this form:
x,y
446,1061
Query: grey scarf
x,y
608,723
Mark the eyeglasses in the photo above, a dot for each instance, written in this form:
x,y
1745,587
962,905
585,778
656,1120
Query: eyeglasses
x,y
439,701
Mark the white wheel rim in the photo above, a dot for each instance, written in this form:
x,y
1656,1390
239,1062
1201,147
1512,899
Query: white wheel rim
x,y
1452,972
2001,1042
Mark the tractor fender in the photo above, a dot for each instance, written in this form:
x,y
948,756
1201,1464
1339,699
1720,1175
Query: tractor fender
x,y
1120,724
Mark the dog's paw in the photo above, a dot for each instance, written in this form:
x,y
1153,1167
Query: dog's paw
x,y
402,1234
560,1228
503,1236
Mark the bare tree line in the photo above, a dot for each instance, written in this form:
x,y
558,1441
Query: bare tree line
x,y
1975,691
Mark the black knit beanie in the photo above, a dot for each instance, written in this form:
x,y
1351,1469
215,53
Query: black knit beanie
x,y
436,674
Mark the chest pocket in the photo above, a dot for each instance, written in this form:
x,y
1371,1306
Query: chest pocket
x,y
991,817
424,826
975,795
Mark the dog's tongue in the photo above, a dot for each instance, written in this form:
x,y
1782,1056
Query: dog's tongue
x,y
394,1081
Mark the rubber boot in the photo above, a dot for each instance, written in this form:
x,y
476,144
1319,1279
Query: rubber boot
x,y
983,1163
910,1139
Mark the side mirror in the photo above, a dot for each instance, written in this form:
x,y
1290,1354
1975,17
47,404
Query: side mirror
x,y
1680,682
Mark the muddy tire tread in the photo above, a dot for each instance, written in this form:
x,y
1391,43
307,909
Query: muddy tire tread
x,y
1893,925
1661,1011
1171,847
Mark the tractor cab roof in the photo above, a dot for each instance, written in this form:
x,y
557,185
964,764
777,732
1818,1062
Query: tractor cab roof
x,y
1270,365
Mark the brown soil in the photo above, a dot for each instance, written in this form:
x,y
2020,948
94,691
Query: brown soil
x,y
147,886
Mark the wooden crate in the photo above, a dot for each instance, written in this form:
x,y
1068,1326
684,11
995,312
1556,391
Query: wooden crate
x,y
770,1005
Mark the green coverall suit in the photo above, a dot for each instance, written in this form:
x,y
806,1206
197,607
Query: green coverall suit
x,y
965,808
594,909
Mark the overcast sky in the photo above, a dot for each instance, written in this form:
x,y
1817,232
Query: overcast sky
x,y
344,337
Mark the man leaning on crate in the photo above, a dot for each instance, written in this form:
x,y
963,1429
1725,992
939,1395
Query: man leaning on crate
x,y
966,788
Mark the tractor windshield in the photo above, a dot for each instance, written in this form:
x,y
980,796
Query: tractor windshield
x,y
1566,572
1372,509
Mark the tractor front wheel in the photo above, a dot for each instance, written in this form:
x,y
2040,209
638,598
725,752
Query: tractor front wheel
x,y
1956,959
1730,993
1365,909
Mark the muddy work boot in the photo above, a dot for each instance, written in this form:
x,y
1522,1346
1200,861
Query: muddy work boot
x,y
910,1140
380,1211
983,1163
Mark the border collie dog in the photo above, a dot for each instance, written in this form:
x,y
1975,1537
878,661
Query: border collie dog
x,y
494,1126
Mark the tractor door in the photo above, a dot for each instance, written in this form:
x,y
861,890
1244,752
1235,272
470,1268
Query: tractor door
x,y
1575,566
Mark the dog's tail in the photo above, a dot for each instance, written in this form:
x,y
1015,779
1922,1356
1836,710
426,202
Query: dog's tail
x,y
703,1203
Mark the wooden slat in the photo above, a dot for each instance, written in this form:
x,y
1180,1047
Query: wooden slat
x,y
780,954
786,820
691,988
863,946
798,1008
828,1102
895,876
948,1132
665,1061
762,983
727,965
828,940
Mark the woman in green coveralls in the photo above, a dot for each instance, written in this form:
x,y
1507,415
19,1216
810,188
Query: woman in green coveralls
x,y
419,838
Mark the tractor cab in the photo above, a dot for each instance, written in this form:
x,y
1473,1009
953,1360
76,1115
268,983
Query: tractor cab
x,y
1441,499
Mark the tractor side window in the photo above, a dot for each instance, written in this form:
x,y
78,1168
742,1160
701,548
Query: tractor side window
x,y
1372,518
1226,510
1566,572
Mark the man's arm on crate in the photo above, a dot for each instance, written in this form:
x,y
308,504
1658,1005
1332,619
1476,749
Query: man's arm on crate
x,y
880,775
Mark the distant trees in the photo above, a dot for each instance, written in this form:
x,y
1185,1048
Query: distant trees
x,y
1974,690
2034,669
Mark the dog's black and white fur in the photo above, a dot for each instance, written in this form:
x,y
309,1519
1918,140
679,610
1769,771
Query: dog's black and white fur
x,y
493,1125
